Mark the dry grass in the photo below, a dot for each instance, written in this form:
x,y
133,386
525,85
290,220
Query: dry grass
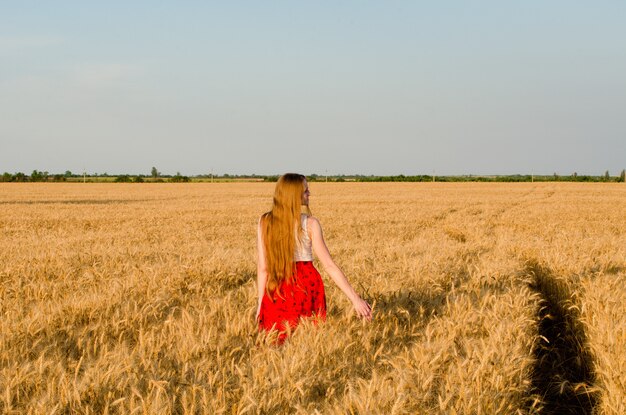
x,y
140,298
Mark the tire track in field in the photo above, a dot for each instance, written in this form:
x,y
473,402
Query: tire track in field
x,y
563,374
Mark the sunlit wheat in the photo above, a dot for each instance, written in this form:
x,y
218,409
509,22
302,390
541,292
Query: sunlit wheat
x,y
139,298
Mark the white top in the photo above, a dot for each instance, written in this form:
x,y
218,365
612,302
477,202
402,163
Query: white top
x,y
303,246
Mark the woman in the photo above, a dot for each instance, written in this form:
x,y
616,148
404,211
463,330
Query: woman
x,y
289,286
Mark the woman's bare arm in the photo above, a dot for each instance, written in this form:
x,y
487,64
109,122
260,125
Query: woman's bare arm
x,y
261,268
361,307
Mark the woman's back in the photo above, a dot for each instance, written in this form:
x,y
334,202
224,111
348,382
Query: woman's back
x,y
304,251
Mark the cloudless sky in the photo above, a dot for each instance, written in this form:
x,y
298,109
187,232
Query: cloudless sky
x,y
344,87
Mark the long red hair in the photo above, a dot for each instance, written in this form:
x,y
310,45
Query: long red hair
x,y
280,227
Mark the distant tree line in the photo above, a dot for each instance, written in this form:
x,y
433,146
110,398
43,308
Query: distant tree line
x,y
575,177
177,178
44,176
156,177
35,176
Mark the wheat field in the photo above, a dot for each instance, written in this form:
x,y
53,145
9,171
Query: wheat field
x,y
488,299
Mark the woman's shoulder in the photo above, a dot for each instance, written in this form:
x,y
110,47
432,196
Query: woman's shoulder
x,y
312,222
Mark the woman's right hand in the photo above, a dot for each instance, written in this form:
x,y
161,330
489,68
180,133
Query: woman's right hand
x,y
362,308
258,312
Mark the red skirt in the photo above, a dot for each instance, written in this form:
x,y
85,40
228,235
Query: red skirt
x,y
305,297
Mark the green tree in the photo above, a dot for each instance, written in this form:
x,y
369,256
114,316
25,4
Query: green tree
x,y
178,178
123,178
154,173
622,176
607,177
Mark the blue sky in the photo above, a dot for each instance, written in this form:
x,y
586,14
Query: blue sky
x,y
344,87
